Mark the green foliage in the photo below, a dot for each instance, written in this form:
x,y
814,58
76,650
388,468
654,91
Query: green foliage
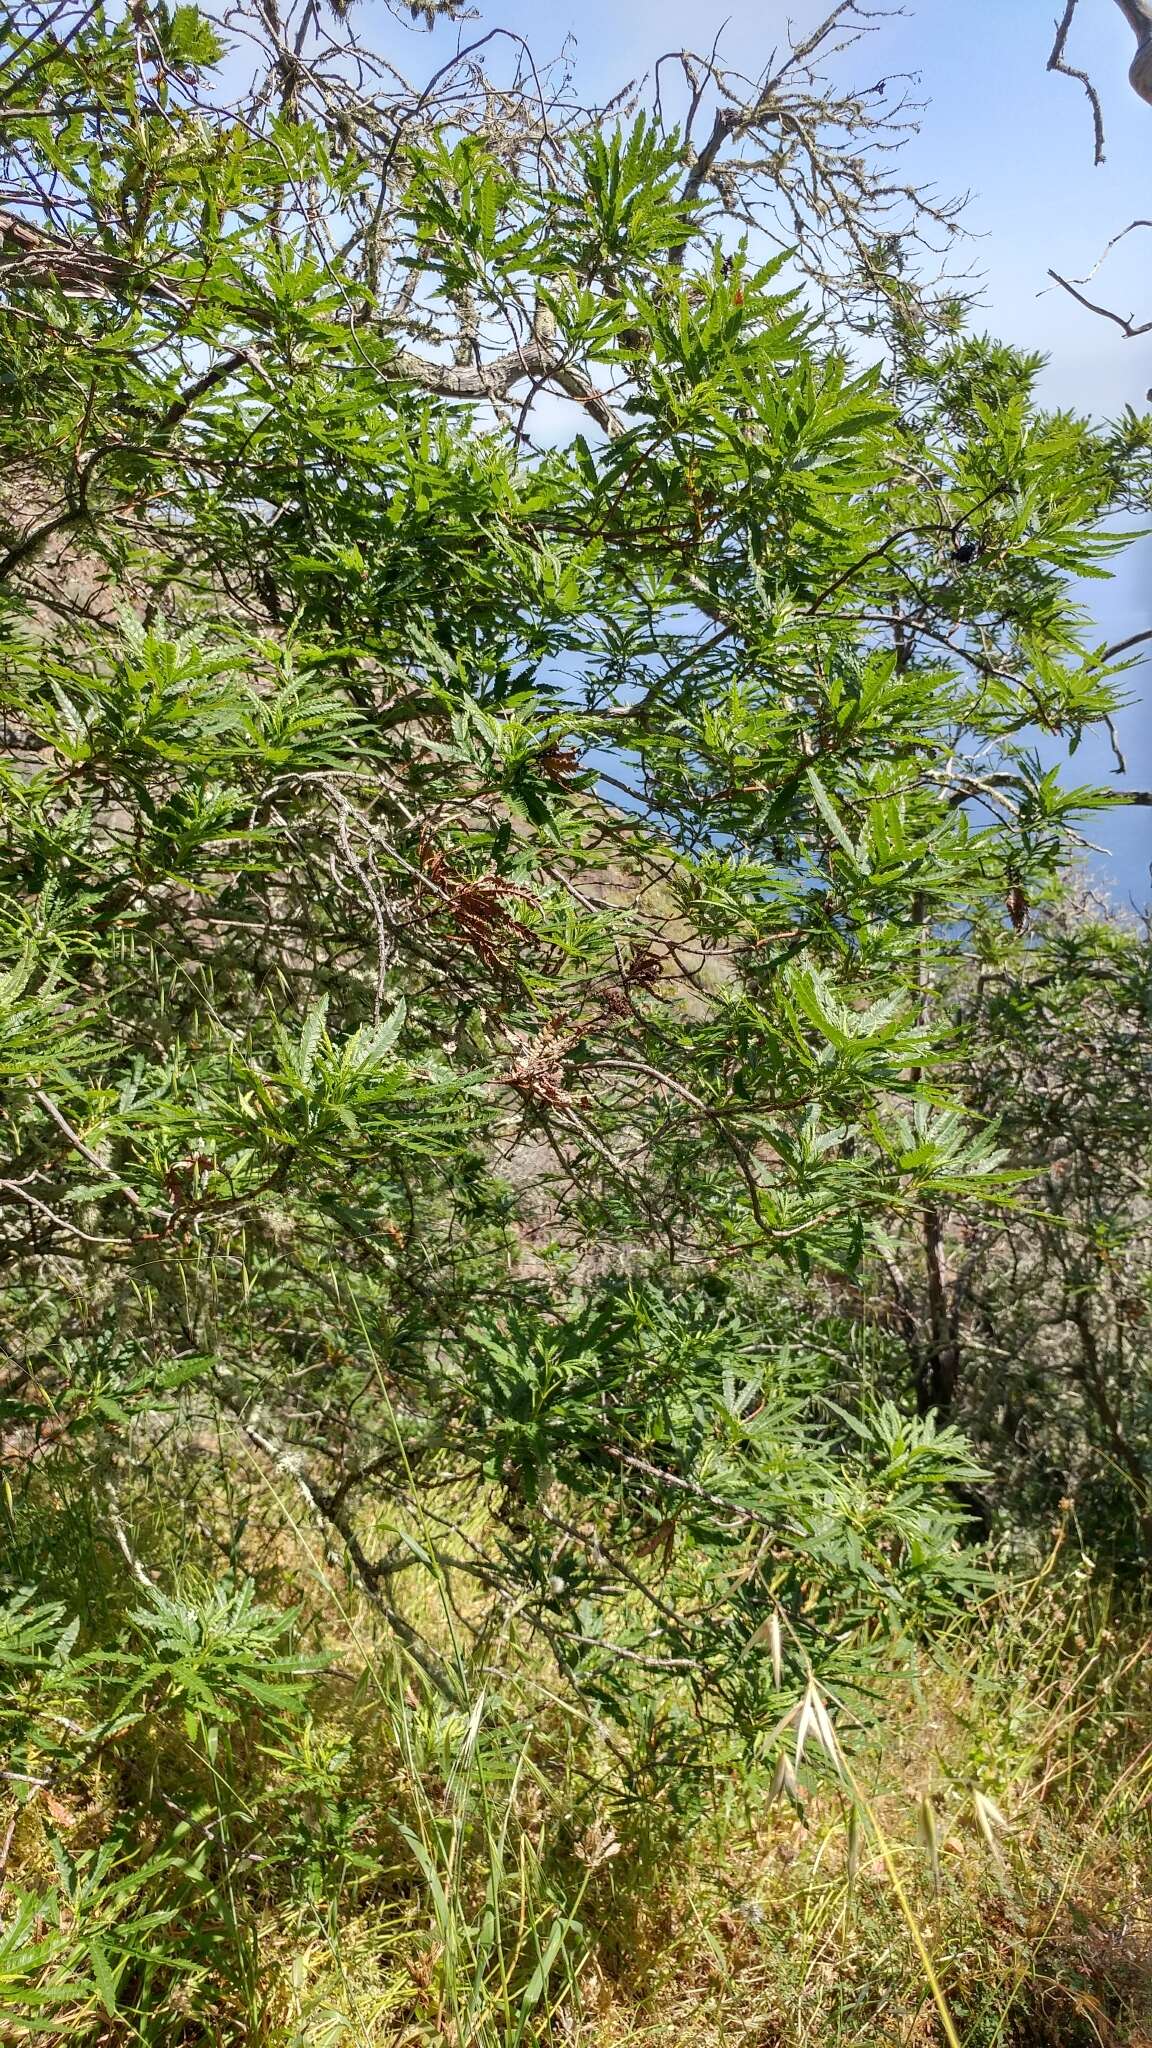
x,y
516,747
106,1925
1060,1045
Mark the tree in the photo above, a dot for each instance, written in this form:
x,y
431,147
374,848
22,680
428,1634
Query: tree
x,y
1030,1325
1138,15
476,880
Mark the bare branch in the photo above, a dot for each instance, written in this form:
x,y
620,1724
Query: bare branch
x,y
1127,326
1130,229
86,1151
1122,646
1056,62
23,1194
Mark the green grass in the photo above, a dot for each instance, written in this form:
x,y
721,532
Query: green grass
x,y
212,1839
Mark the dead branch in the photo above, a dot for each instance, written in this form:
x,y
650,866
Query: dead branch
x,y
1127,326
1058,62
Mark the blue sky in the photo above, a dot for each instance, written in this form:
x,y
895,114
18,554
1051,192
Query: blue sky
x,y
1017,139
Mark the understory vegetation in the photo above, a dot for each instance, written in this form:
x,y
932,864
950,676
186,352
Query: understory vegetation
x,y
574,1204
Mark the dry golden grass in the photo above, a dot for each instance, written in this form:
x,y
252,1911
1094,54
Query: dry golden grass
x,y
970,1867
996,1820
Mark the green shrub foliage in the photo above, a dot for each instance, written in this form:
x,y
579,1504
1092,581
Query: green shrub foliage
x,y
511,719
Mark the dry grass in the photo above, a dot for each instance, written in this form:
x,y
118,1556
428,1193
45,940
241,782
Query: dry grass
x,y
970,1867
996,1820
